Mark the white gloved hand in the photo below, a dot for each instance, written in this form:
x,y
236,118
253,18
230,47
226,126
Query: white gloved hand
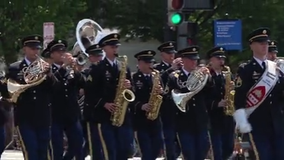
x,y
244,128
241,121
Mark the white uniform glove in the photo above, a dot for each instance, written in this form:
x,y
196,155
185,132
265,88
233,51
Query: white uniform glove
x,y
241,121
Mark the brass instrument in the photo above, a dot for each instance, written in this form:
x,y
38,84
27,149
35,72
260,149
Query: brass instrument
x,y
195,83
88,33
156,99
229,109
33,75
280,63
123,96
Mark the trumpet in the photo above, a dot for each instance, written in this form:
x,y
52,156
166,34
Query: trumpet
x,y
81,59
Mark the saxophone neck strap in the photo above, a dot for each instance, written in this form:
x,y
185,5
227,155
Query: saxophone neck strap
x,y
259,92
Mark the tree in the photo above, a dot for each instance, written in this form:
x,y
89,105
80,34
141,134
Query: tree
x,y
145,19
139,18
21,18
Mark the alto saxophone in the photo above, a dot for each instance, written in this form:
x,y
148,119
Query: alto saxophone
x,y
156,99
229,109
122,97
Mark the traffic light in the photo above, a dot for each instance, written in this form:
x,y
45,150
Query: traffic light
x,y
175,17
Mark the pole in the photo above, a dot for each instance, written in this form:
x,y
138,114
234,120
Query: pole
x,y
169,33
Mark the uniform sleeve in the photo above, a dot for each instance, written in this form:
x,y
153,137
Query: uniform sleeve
x,y
241,88
97,85
80,79
12,73
4,90
165,75
213,101
171,83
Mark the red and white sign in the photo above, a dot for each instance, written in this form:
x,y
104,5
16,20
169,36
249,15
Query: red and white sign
x,y
48,33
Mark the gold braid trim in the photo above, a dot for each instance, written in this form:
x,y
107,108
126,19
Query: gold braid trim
x,y
210,152
253,146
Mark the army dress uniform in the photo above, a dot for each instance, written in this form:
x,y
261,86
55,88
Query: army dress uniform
x,y
168,107
32,111
148,133
65,108
222,126
103,80
267,119
93,142
192,125
5,108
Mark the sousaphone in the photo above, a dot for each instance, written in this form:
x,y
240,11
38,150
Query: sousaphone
x,y
87,32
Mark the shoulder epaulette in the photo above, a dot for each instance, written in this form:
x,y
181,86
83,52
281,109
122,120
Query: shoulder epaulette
x,y
156,65
15,63
242,65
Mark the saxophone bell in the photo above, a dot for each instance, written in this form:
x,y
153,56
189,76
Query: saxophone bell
x,y
128,95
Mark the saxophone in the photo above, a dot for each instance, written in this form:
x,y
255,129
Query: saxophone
x,y
122,97
229,93
156,99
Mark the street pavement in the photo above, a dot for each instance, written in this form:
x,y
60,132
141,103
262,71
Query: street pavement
x,y
17,155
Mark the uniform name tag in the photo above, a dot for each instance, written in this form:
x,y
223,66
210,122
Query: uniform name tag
x,y
258,93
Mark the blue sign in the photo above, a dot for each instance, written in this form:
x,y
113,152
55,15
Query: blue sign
x,y
228,33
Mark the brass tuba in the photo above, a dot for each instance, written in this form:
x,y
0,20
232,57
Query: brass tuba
x,y
33,75
122,97
156,99
195,83
87,34
229,93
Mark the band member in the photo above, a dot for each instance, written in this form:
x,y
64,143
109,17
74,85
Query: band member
x,y
105,78
148,132
5,108
92,137
65,108
192,124
166,66
272,50
222,125
32,111
259,90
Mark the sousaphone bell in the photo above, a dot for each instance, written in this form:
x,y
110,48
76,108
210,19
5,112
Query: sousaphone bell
x,y
87,31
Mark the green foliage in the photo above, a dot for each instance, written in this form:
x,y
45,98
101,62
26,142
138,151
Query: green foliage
x,y
135,18
21,18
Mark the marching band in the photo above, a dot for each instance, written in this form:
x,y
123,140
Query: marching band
x,y
176,108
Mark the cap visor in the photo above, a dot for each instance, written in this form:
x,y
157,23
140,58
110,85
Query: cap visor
x,y
171,52
220,56
35,46
261,39
192,57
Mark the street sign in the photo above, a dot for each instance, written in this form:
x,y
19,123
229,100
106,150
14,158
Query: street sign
x,y
48,33
228,33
